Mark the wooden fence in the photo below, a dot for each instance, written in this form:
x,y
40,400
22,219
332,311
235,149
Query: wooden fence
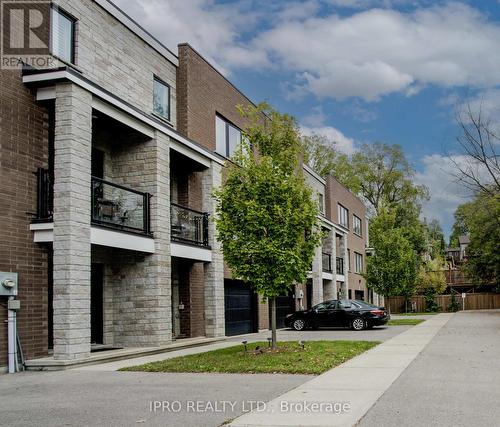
x,y
480,301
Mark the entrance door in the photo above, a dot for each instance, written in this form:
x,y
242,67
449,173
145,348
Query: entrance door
x,y
96,304
176,315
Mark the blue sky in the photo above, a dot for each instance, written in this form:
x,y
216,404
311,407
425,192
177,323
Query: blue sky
x,y
357,71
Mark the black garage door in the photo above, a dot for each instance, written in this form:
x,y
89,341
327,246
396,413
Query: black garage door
x,y
240,308
284,305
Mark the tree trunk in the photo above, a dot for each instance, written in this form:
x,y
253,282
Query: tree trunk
x,y
273,323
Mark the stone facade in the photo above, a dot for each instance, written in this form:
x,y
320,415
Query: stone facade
x,y
112,56
73,143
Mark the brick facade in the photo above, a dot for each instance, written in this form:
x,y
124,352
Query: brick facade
x,y
23,148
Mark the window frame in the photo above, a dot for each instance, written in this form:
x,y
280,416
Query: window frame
x,y
164,83
227,125
56,9
349,260
321,200
340,209
354,218
358,256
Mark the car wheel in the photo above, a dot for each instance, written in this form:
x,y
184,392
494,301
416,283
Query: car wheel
x,y
299,324
358,324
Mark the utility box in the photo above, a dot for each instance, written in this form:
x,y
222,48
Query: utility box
x,y
8,284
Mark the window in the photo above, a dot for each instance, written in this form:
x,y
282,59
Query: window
x,y
358,263
343,216
62,35
161,98
227,137
348,259
321,203
356,225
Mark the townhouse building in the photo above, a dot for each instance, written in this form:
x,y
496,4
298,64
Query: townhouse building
x,y
108,163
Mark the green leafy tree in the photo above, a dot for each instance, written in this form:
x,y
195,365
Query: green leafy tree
x,y
431,275
460,225
482,218
266,217
453,306
392,270
385,177
322,156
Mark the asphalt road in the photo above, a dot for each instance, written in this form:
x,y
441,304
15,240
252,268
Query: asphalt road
x,y
455,381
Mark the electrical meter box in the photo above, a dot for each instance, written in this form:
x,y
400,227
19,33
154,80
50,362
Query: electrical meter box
x,y
8,284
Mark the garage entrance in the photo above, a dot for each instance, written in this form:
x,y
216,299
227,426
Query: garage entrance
x,y
240,307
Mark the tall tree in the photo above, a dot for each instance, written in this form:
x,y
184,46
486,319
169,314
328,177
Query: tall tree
x,y
321,154
385,177
478,169
481,217
266,216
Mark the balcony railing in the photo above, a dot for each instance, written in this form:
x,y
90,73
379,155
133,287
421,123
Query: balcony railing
x,y
188,225
45,196
340,265
327,262
120,207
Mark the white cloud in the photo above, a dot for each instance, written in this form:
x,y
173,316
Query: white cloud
x,y
367,54
377,52
444,191
343,143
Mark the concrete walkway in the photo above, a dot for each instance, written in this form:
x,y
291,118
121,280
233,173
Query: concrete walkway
x,y
343,395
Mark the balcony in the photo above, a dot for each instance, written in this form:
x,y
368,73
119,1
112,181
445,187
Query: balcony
x,y
340,266
189,226
326,262
119,207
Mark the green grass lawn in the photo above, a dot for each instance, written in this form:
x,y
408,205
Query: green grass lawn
x,y
289,358
401,322
415,314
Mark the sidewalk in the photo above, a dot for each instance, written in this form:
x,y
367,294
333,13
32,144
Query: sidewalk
x,y
359,382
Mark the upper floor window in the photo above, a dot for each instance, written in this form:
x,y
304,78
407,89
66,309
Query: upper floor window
x,y
343,216
358,263
348,260
356,225
321,203
161,98
62,35
227,137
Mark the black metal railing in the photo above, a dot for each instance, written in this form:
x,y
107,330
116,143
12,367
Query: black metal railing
x,y
189,225
120,207
327,262
340,265
45,196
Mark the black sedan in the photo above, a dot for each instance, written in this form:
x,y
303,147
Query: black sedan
x,y
352,314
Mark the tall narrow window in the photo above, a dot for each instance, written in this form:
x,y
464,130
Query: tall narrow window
x,y
356,225
343,216
161,98
62,35
321,203
358,263
227,137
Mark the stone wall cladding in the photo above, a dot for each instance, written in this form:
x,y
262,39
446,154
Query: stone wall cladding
x,y
23,148
73,141
214,271
112,56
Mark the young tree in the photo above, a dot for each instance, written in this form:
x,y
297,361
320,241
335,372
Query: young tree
x,y
266,217
392,270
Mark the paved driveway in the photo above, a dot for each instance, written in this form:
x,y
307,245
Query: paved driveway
x,y
97,395
375,334
96,398
455,381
